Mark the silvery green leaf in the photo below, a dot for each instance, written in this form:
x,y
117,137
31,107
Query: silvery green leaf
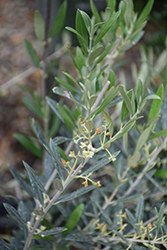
x,y
39,133
75,194
143,138
58,185
4,245
140,210
53,105
52,231
39,25
24,211
38,212
36,184
108,220
13,213
59,20
21,181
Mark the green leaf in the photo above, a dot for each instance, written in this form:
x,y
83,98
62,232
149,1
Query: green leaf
x,y
111,4
161,173
53,105
150,97
52,231
134,159
109,121
59,20
105,103
87,20
60,139
108,220
58,185
156,183
21,181
76,33
16,217
139,92
143,138
156,104
126,99
159,220
68,76
106,27
153,121
101,163
32,53
82,30
75,194
32,107
80,58
111,77
73,59
67,120
39,133
66,85
73,219
28,144
103,55
53,150
158,134
95,11
97,52
37,186
144,13
77,107
5,245
39,25
139,210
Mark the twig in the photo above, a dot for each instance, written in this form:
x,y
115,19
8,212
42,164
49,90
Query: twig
x,y
31,70
100,96
58,193
148,165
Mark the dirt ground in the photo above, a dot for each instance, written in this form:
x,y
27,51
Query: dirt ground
x,y
16,23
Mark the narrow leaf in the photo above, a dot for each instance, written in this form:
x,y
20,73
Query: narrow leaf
x,y
66,85
53,105
21,181
145,12
39,133
158,134
108,220
73,219
156,104
143,138
101,163
95,11
53,231
97,52
75,194
39,25
59,20
32,53
106,27
28,144
139,210
105,103
5,245
16,217
126,98
82,30
37,186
